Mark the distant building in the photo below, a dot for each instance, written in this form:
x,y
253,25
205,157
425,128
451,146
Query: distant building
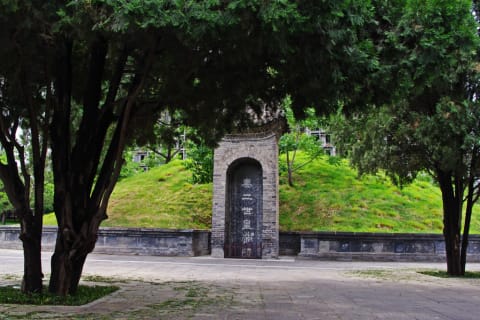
x,y
324,138
139,156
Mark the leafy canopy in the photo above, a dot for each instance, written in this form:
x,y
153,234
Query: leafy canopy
x,y
431,120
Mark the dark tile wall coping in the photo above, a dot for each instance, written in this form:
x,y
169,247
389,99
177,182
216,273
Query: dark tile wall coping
x,y
133,232
141,241
340,235
120,230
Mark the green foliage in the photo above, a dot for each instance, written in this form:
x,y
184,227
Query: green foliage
x,y
129,167
200,162
9,5
84,295
128,15
4,201
296,139
152,160
431,122
164,137
378,140
338,27
48,197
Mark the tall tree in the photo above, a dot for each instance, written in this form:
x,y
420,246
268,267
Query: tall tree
x,y
17,179
432,123
25,106
111,65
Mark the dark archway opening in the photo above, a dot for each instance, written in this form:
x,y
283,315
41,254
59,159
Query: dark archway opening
x,y
244,212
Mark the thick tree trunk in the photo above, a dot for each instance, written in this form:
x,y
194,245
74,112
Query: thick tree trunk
x,y
71,250
67,265
452,248
31,236
452,198
61,272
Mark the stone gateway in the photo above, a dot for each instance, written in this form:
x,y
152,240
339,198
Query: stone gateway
x,y
245,195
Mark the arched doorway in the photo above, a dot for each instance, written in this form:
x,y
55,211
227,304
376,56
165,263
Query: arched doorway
x,y
244,212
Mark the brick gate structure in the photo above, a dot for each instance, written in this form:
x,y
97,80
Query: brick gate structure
x,y
245,194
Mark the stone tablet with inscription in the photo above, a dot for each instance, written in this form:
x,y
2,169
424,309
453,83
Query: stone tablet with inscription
x,y
245,193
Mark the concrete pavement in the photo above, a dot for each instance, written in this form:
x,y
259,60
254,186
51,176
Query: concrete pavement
x,y
207,288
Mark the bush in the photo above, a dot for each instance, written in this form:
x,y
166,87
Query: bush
x,y
200,162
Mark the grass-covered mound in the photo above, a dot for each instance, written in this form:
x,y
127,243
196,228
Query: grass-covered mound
x,y
326,197
162,197
331,197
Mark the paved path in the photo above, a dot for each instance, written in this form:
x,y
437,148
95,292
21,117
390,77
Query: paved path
x,y
207,288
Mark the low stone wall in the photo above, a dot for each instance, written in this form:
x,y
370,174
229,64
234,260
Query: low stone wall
x,y
379,247
289,243
160,242
345,246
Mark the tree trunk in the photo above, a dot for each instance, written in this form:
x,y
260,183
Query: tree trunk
x,y
452,248
31,236
61,158
466,233
289,170
471,199
452,198
67,264
31,225
60,278
71,250
32,272
169,154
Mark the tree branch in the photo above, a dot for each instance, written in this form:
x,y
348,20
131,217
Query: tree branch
x,y
113,161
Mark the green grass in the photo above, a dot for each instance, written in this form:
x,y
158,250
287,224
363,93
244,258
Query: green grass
x,y
84,295
331,197
163,197
444,274
326,197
